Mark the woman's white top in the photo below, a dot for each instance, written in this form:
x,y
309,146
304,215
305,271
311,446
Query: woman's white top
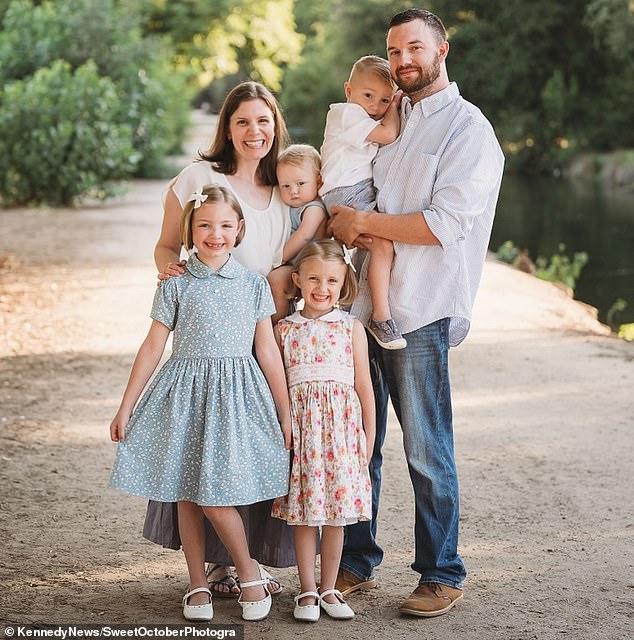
x,y
266,230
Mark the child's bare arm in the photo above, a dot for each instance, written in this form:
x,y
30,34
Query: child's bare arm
x,y
387,130
146,361
270,361
313,223
278,340
363,384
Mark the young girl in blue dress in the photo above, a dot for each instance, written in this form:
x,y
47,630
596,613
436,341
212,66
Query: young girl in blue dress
x,y
206,433
325,354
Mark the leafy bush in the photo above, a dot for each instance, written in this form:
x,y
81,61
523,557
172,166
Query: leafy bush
x,y
626,331
150,101
507,252
61,136
560,268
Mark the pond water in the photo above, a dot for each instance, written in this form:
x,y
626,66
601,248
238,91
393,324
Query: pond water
x,y
538,213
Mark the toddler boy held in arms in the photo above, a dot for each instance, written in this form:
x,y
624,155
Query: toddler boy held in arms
x,y
354,131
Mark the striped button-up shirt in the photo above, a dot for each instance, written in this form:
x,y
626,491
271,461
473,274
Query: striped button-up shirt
x,y
447,164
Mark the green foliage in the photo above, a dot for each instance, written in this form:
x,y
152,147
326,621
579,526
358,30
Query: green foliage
x,y
62,136
152,102
626,331
507,252
309,88
251,38
617,307
560,268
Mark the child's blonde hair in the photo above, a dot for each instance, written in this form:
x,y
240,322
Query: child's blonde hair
x,y
214,193
297,155
327,249
373,65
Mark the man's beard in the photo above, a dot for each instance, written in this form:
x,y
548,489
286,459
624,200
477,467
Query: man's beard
x,y
427,76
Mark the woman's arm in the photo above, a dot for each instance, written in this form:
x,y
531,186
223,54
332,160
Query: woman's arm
x,y
312,225
270,361
363,384
146,361
168,248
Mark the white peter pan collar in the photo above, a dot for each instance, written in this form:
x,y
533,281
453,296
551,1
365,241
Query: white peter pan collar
x,y
332,316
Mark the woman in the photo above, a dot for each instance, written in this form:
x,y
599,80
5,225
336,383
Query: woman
x,y
243,157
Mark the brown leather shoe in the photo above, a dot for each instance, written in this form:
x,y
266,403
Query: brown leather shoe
x,y
430,599
349,583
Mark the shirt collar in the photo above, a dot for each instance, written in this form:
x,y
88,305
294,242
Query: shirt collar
x,y
331,316
433,103
230,269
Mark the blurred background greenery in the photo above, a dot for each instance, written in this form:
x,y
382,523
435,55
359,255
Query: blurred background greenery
x,y
95,91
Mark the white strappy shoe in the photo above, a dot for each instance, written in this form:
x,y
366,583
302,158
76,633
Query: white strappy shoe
x,y
306,612
198,612
259,609
341,610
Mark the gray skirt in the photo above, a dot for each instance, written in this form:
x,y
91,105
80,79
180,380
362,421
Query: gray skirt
x,y
270,539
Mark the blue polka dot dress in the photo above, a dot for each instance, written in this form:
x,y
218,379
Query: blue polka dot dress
x,y
206,429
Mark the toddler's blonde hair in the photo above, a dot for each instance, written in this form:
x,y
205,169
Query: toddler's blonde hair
x,y
373,65
298,155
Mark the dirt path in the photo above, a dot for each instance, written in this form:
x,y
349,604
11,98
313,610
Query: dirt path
x,y
543,435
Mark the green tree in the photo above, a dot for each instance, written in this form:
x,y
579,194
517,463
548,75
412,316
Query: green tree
x,y
151,98
251,38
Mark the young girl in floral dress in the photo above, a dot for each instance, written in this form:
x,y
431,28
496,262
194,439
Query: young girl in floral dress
x,y
332,415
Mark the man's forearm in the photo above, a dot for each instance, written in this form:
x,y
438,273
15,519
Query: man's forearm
x,y
410,228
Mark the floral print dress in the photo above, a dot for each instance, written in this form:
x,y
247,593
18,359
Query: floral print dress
x,y
329,481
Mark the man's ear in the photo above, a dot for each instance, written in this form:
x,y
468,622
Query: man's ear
x,y
443,50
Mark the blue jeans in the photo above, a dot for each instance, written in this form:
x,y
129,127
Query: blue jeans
x,y
417,381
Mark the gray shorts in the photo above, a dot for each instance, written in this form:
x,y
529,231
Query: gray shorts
x,y
362,195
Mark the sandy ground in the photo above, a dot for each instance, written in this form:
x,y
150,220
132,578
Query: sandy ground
x,y
543,420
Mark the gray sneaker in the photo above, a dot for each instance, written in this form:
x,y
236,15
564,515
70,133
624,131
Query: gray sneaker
x,y
387,334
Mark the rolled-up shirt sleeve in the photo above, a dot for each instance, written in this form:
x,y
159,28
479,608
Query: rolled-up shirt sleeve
x,y
462,189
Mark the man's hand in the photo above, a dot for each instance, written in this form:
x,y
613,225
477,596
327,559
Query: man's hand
x,y
346,224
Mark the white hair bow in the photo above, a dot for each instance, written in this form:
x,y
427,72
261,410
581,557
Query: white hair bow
x,y
347,257
198,197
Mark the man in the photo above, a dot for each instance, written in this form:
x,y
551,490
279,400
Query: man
x,y
437,185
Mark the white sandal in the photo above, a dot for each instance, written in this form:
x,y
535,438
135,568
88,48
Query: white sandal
x,y
273,582
306,612
198,612
259,609
341,610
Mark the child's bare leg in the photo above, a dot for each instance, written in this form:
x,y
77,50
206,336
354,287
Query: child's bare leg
x,y
379,269
330,551
230,529
191,526
306,552
280,281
